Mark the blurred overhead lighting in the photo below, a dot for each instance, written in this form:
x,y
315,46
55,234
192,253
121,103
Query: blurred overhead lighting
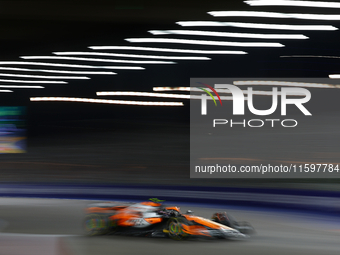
x,y
308,56
274,15
171,88
5,90
69,65
167,50
203,42
148,94
44,77
286,83
105,101
25,81
145,94
334,76
52,71
98,60
21,87
131,55
293,3
227,34
227,91
255,25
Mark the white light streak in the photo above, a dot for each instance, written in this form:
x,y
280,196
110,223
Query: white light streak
x,y
293,3
69,65
44,77
148,94
286,83
167,50
227,34
98,60
203,42
105,101
131,55
274,15
255,25
171,88
334,76
308,56
145,94
227,91
21,87
5,90
53,71
25,81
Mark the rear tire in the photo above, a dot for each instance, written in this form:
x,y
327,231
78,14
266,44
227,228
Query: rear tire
x,y
96,224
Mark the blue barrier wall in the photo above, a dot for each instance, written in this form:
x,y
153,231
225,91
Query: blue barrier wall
x,y
293,199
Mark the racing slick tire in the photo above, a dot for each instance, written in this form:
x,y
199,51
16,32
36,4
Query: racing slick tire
x,y
174,229
97,224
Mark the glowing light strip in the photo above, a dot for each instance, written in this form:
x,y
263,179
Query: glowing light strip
x,y
21,87
44,77
171,88
6,90
25,81
286,83
145,94
308,56
255,25
99,60
220,91
227,34
274,15
293,3
53,71
105,101
167,50
131,55
148,94
69,65
203,42
334,76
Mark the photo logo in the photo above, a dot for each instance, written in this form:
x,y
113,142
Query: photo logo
x,y
239,98
212,89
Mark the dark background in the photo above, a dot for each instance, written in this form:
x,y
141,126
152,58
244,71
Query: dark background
x,y
80,142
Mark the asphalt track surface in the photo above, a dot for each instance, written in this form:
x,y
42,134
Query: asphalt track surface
x,y
53,226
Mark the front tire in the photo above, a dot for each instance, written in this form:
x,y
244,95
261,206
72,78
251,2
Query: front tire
x,y
175,229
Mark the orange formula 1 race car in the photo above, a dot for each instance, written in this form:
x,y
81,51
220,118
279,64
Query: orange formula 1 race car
x,y
153,219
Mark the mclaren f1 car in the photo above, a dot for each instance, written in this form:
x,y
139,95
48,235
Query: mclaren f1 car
x,y
153,219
